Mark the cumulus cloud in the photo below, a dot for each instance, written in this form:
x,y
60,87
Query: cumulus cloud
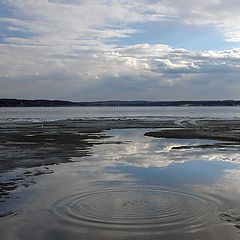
x,y
72,47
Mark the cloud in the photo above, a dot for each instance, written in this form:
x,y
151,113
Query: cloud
x,y
58,21
72,47
144,152
221,14
139,71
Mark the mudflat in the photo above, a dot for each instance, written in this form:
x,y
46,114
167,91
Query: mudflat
x,y
108,153
40,144
27,145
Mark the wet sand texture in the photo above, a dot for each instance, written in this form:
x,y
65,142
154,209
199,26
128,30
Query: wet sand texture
x,y
232,216
221,130
33,145
26,145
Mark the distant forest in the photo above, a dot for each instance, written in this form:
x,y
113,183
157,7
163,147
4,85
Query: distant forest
x,y
59,103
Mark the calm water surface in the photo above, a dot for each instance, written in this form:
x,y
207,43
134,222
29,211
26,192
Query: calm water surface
x,y
139,189
60,113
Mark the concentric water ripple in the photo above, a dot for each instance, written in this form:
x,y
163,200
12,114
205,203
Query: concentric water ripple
x,y
161,209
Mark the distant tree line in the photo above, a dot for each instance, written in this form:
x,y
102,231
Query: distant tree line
x,y
5,102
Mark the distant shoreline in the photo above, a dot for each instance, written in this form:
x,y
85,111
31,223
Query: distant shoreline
x,y
5,102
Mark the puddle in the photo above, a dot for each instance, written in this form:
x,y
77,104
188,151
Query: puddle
x,y
140,188
160,209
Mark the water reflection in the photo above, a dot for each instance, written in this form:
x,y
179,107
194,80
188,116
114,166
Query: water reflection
x,y
162,210
147,152
142,188
226,186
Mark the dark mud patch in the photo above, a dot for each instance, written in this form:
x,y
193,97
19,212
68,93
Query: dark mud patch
x,y
220,130
26,179
5,188
207,146
232,216
6,214
40,172
110,142
195,134
27,145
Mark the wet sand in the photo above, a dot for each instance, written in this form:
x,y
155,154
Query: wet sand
x,y
26,145
221,130
32,150
34,144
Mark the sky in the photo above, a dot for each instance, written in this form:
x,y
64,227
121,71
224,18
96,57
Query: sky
x,y
89,50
